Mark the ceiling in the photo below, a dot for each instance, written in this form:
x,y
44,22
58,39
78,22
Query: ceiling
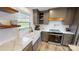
x,y
42,8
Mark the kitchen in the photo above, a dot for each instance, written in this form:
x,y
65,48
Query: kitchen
x,y
47,29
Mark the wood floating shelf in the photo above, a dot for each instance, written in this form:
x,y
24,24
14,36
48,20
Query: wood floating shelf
x,y
61,19
8,10
8,26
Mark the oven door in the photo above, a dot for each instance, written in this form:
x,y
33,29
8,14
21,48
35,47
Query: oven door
x,y
55,37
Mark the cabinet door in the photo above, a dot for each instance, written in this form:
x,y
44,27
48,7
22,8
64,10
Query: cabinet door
x,y
76,20
44,36
70,14
36,45
67,39
46,17
35,17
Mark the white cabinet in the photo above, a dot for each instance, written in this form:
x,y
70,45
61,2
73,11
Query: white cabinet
x,y
8,46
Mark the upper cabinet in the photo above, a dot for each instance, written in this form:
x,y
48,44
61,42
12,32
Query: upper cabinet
x,y
43,17
36,16
57,14
70,15
46,16
40,17
8,10
64,14
76,19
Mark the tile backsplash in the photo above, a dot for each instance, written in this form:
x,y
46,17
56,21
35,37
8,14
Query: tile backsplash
x,y
55,25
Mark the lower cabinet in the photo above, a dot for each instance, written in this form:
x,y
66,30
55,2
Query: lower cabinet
x,y
67,39
8,46
29,47
35,46
44,36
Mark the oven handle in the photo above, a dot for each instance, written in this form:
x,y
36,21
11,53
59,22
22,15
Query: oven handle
x,y
56,34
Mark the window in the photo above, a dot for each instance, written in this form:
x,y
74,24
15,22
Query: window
x,y
24,21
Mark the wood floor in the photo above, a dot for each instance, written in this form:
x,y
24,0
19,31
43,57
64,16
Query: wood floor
x,y
44,46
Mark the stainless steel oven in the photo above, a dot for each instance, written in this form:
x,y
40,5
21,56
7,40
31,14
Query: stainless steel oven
x,y
55,36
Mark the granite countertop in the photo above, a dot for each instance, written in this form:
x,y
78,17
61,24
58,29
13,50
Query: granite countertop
x,y
22,44
61,28
64,32
67,32
34,35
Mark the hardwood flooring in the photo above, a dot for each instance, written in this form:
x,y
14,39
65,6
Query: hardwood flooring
x,y
44,46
